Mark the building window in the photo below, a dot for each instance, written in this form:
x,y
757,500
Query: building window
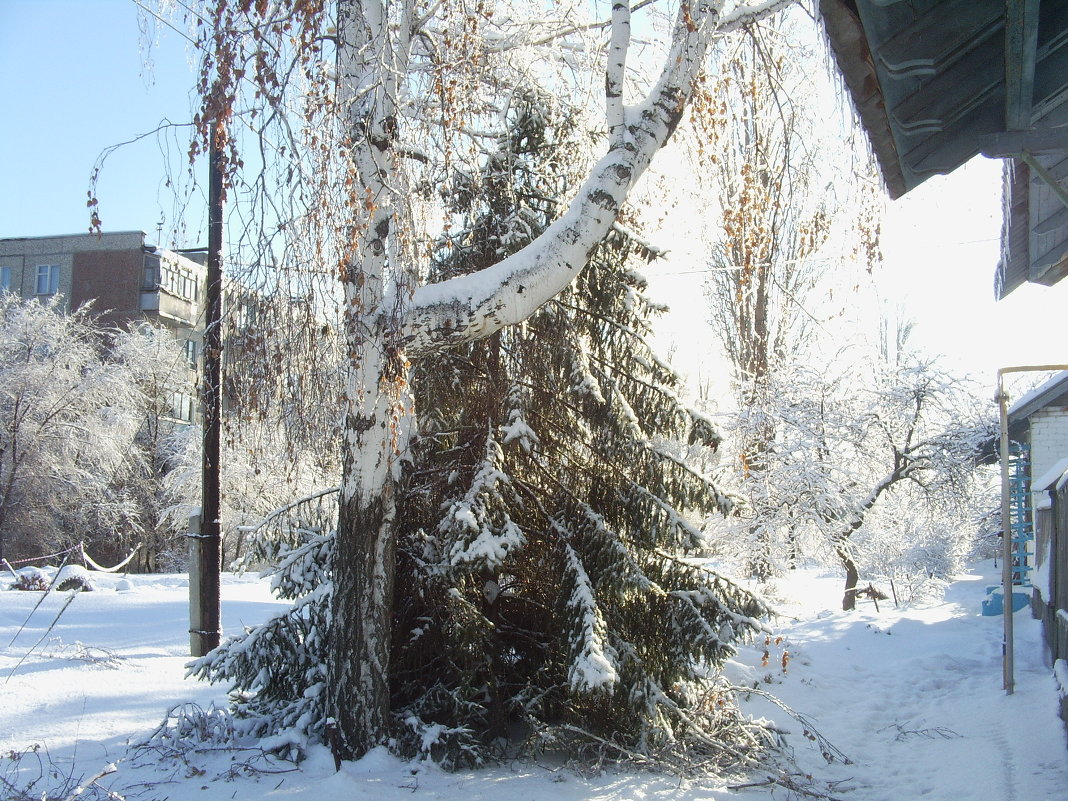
x,y
178,281
150,281
47,279
5,279
182,407
191,353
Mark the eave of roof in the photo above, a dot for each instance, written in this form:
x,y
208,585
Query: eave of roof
x,y
1053,392
845,34
929,82
935,82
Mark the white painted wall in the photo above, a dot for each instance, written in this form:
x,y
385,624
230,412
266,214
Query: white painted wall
x,y
1049,438
1049,446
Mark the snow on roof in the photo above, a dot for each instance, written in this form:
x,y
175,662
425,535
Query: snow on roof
x,y
1052,476
1038,397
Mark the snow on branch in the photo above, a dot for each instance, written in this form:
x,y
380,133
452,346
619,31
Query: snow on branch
x,y
479,524
593,660
748,13
476,305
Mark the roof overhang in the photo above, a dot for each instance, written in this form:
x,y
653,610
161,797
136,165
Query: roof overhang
x,y
936,82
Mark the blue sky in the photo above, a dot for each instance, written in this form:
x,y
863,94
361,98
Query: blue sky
x,y
75,83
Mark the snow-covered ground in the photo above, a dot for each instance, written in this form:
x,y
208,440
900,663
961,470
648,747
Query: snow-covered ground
x,y
912,696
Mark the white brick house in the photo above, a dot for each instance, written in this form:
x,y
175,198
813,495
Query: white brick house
x,y
1040,420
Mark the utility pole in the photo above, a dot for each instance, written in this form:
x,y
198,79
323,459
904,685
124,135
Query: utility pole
x,y
205,552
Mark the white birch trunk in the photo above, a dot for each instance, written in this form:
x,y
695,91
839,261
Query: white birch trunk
x,y
363,568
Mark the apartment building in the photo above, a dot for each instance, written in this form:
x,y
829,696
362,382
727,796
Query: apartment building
x,y
126,279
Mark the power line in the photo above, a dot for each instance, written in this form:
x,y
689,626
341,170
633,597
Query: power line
x,y
729,268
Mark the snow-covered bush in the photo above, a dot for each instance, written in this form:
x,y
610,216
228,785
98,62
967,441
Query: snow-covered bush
x,y
31,579
73,577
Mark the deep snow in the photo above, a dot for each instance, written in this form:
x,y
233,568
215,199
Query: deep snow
x,y
912,696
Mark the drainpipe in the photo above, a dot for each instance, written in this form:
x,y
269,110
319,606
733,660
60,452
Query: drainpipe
x,y
1006,542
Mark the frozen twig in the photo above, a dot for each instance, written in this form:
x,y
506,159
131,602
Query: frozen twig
x,y
81,788
40,600
51,626
787,782
830,752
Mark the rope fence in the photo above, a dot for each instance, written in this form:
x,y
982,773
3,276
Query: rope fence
x,y
80,550
43,558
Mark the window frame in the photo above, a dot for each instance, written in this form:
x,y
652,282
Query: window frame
x,y
150,274
50,272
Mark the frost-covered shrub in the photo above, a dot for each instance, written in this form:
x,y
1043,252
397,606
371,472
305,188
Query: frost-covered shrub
x,y
67,421
32,579
74,577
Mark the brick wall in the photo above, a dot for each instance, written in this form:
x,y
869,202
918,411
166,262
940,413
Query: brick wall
x,y
1049,438
24,255
112,280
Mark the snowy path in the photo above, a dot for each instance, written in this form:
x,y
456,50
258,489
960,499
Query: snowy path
x,y
111,666
913,697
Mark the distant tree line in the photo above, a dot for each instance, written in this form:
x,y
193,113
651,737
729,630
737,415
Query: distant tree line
x,y
92,450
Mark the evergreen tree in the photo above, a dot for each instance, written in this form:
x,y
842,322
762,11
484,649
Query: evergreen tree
x,y
543,520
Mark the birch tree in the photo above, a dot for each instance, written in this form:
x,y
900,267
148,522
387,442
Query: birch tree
x,y
352,105
540,522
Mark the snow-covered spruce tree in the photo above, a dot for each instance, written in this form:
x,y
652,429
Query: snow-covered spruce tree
x,y
351,108
277,669
542,525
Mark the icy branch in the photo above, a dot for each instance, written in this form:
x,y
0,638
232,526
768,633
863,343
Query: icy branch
x,y
476,305
746,14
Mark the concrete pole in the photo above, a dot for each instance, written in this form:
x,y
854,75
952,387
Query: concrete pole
x,y
204,587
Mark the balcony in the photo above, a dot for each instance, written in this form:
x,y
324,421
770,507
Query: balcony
x,y
170,306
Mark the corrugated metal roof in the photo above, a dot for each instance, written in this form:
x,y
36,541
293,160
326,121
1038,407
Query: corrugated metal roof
x,y
936,82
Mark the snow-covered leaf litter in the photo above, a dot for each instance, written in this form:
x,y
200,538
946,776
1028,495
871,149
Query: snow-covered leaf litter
x,y
912,696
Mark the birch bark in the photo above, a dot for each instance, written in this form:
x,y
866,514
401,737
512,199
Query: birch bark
x,y
371,55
